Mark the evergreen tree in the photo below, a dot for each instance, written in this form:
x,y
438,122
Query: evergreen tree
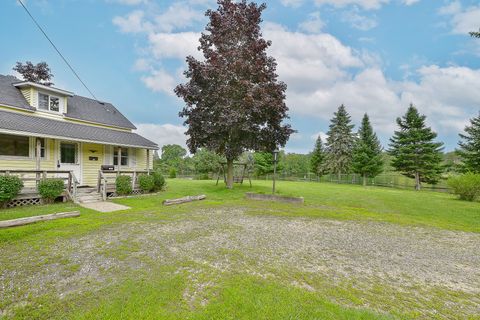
x,y
317,161
415,153
470,146
367,154
340,143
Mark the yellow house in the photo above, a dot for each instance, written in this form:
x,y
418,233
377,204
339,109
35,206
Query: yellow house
x,y
46,128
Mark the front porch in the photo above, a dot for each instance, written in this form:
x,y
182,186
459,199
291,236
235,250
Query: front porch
x,y
73,191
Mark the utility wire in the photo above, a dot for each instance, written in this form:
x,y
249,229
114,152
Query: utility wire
x,y
56,49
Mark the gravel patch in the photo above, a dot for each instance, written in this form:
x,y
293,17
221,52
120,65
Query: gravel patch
x,y
218,241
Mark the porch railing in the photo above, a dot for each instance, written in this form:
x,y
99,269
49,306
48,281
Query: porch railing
x,y
31,178
107,178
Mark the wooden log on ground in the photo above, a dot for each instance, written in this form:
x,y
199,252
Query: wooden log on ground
x,y
29,220
170,202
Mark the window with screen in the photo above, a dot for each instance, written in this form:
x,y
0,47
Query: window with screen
x,y
42,148
15,146
124,157
48,103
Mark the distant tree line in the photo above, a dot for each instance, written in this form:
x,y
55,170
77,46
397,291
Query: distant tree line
x,y
413,150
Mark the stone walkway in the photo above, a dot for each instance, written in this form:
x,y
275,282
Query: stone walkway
x,y
104,206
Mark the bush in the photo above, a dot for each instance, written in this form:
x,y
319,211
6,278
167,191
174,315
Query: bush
x,y
159,180
172,174
146,183
50,189
123,185
10,186
202,176
466,186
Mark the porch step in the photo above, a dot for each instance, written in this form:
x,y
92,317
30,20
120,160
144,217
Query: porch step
x,y
88,197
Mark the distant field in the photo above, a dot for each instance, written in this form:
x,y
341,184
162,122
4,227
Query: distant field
x,y
349,253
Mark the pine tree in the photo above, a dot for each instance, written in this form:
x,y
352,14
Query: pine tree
x,y
470,146
367,154
340,143
415,153
317,161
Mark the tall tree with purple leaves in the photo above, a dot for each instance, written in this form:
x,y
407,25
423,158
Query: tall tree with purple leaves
x,y
233,99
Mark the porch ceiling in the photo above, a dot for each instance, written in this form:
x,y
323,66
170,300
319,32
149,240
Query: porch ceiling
x,y
17,123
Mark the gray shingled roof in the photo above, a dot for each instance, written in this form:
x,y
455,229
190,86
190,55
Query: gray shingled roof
x,y
78,107
38,126
11,96
83,108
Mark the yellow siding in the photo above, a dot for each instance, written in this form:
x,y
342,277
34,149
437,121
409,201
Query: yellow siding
x,y
141,156
34,97
90,167
30,163
27,93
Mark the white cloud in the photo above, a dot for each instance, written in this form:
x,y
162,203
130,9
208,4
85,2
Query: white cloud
x,y
177,16
160,81
132,23
174,45
163,134
410,2
358,21
463,20
365,4
292,3
129,2
314,24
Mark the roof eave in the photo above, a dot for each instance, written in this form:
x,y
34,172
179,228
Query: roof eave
x,y
40,135
41,86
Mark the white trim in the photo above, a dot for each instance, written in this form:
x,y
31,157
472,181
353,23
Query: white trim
x,y
79,155
61,103
41,135
43,87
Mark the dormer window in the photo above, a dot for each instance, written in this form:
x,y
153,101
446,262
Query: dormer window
x,y
48,102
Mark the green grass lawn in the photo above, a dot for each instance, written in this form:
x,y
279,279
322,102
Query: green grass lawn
x,y
158,292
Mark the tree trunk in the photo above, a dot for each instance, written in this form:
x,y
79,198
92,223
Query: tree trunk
x,y
364,180
229,174
417,181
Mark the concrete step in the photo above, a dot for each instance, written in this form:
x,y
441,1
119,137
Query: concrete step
x,y
91,201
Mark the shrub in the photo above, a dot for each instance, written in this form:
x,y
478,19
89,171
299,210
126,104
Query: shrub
x,y
123,185
10,186
172,174
466,186
147,183
202,176
50,189
159,180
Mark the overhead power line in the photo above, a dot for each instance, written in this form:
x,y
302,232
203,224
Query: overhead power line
x,y
56,49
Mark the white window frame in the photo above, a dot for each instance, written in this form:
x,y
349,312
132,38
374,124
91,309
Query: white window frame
x,y
60,103
115,155
29,157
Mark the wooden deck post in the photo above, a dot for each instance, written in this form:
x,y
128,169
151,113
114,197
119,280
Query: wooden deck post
x,y
38,154
119,160
148,161
133,179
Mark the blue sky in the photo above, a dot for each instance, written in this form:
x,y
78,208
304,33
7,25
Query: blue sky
x,y
374,56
